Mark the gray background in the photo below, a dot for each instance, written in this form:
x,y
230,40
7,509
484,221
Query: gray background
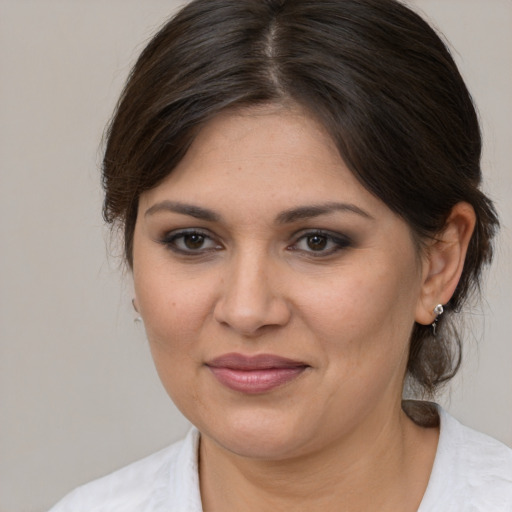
x,y
78,393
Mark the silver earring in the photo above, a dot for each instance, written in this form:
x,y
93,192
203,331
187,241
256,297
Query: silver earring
x,y
138,318
438,310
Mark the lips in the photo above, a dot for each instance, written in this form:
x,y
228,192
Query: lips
x,y
255,374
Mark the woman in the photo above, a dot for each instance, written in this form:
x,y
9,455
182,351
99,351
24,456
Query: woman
x,y
297,183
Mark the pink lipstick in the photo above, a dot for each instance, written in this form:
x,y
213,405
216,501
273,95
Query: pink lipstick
x,y
255,374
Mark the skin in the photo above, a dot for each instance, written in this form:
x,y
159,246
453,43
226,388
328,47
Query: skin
x,y
344,303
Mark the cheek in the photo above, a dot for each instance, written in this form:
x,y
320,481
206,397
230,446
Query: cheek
x,y
175,311
365,308
175,302
173,308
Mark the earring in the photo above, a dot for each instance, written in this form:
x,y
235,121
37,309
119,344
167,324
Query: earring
x,y
138,318
438,310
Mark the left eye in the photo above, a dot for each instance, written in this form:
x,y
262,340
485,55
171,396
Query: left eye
x,y
321,243
190,242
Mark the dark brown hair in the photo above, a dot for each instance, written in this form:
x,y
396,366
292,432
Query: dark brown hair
x,y
373,72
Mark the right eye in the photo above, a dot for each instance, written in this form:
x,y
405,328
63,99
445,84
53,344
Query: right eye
x,y
191,242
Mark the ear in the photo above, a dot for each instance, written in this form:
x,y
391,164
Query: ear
x,y
444,260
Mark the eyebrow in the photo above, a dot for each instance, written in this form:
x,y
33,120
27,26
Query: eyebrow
x,y
186,209
285,217
312,211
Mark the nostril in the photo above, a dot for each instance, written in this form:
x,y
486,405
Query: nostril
x,y
252,321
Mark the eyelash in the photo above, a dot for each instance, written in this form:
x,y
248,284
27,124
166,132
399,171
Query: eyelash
x,y
338,242
170,241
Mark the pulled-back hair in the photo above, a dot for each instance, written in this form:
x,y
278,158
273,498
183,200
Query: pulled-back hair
x,y
372,72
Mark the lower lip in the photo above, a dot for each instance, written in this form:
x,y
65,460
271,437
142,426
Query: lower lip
x,y
256,381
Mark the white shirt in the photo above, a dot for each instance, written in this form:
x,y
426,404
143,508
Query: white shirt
x,y
472,473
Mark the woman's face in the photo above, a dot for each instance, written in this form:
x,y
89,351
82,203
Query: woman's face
x,y
277,293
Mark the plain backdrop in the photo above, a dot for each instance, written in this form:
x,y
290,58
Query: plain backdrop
x,y
78,393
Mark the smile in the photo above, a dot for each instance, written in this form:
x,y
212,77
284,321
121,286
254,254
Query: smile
x,y
255,374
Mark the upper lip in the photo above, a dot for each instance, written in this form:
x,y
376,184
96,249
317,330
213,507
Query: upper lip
x,y
258,362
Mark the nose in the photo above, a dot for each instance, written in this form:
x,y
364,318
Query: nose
x,y
252,298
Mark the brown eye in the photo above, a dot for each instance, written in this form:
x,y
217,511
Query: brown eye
x,y
190,242
320,244
317,242
193,241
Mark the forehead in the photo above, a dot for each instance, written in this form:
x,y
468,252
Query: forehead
x,y
267,157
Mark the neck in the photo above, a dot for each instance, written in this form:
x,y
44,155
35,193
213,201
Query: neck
x,y
383,466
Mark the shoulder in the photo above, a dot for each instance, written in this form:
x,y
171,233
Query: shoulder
x,y
149,484
471,469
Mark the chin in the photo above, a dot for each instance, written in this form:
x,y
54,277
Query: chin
x,y
258,436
